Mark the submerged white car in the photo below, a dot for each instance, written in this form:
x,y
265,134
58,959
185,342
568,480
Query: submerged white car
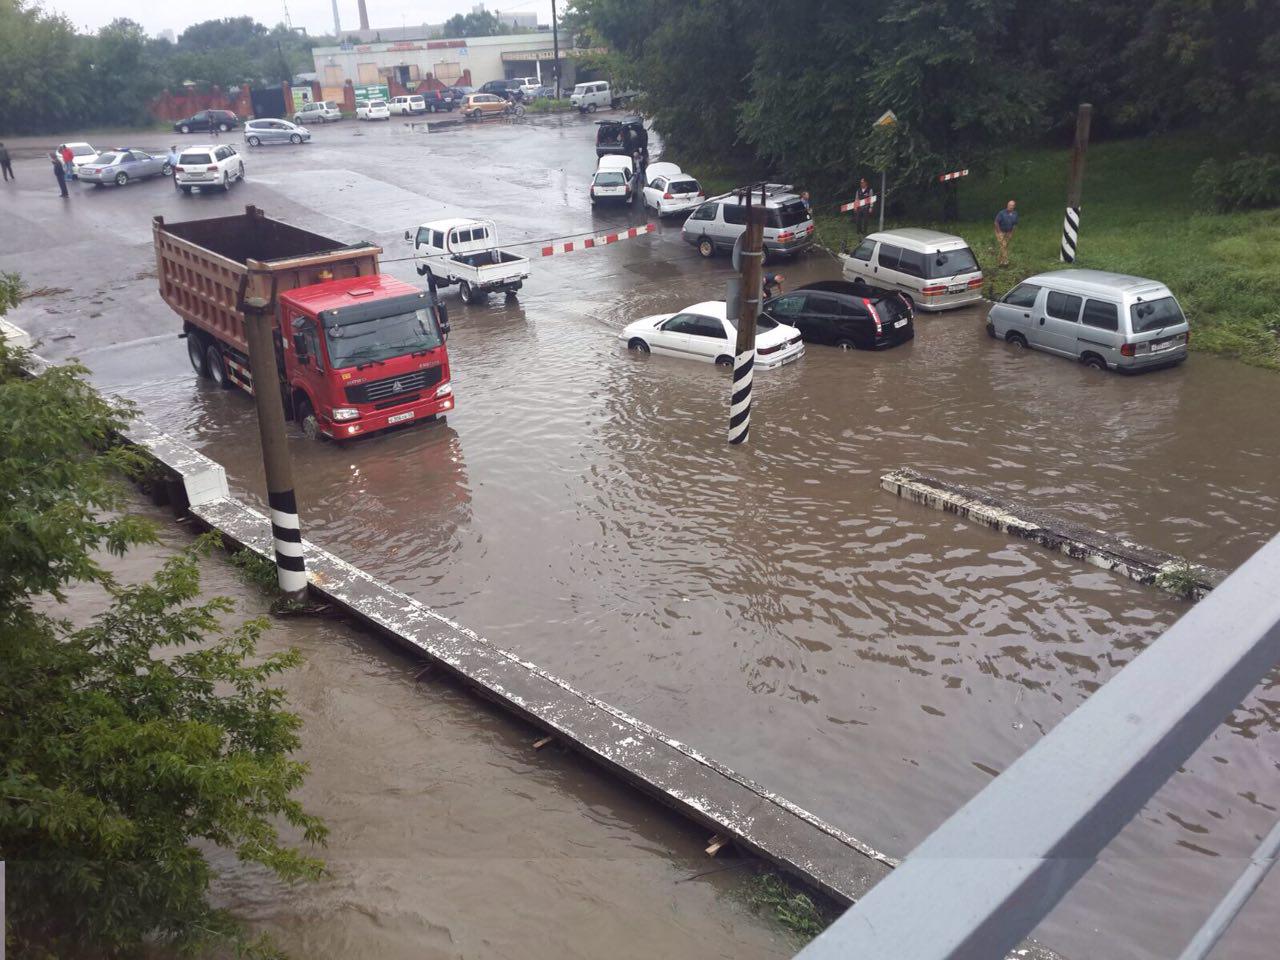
x,y
702,332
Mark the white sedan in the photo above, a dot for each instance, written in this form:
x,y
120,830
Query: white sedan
x,y
702,332
372,110
81,154
669,190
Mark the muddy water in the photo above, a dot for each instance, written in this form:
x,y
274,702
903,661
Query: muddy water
x,y
449,835
873,660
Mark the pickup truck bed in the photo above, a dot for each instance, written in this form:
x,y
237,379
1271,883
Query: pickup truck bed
x,y
486,258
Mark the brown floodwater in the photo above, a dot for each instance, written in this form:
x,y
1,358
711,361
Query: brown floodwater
x,y
871,659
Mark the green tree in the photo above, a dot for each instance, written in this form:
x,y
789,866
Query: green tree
x,y
479,23
126,744
42,69
124,72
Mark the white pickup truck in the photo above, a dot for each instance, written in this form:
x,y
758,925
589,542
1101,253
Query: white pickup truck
x,y
466,252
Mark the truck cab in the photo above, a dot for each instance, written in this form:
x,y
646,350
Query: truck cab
x,y
363,354
466,253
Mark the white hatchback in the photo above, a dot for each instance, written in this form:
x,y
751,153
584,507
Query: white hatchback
x,y
207,166
670,190
372,110
703,332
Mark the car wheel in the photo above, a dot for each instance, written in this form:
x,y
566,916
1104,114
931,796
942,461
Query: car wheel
x,y
185,128
591,108
464,291
226,183
638,345
223,127
1093,361
195,353
217,368
991,330
121,178
166,170
706,248
306,417
1016,340
724,360
241,175
846,345
254,142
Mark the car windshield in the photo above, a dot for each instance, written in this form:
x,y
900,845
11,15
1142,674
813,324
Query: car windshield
x,y
947,263
580,88
683,186
790,214
1154,314
381,338
610,179
194,158
763,322
106,159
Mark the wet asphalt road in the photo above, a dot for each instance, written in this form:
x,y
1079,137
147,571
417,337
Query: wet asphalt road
x,y
870,659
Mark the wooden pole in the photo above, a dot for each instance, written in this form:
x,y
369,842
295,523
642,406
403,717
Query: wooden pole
x,y
744,356
1075,185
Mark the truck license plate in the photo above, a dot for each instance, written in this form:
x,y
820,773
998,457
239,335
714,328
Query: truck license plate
x,y
400,417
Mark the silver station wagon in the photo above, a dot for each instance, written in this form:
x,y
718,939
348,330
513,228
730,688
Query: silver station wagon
x,y
1104,320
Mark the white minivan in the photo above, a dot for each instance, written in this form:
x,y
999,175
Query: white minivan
x,y
414,103
936,271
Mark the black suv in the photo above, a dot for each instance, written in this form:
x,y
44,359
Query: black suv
x,y
439,101
624,136
208,120
507,89
843,314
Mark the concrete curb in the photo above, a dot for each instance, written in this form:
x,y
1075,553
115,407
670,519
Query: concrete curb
x,y
1110,552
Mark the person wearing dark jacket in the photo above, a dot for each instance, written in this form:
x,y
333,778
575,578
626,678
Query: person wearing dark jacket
x,y
59,172
6,165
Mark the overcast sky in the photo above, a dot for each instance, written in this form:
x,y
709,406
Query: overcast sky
x,y
315,15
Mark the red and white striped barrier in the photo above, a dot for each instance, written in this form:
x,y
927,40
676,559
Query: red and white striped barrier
x,y
956,175
857,204
600,241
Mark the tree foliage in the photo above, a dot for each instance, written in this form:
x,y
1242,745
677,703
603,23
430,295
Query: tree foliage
x,y
126,744
478,23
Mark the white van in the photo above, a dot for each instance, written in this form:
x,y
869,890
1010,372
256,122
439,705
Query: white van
x,y
936,271
415,103
613,180
589,97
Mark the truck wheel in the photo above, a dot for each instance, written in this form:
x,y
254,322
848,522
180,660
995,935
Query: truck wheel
x,y
511,295
306,418
465,291
217,369
195,353
422,270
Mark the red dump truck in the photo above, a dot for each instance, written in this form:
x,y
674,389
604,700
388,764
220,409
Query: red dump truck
x,y
356,351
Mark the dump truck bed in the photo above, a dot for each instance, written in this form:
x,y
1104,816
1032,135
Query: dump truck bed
x,y
201,265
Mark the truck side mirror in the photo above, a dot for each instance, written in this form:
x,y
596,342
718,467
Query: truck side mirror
x,y
443,317
407,236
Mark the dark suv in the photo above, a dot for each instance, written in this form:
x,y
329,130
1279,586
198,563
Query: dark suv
x,y
207,121
624,136
507,89
439,101
843,314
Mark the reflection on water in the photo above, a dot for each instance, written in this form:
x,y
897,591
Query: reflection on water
x,y
875,660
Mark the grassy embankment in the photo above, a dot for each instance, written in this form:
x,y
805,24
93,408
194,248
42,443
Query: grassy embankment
x,y
1139,216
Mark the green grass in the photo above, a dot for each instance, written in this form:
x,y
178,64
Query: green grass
x,y
1139,215
772,895
548,105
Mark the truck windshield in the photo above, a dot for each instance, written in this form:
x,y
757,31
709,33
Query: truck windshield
x,y
380,338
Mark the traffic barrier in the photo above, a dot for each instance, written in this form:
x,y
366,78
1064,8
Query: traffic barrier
x,y
599,241
954,175
857,204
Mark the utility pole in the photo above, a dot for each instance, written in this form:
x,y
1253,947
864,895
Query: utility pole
x,y
1075,185
555,47
257,304
883,198
744,354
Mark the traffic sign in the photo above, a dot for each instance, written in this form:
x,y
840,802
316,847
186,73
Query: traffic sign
x,y
887,119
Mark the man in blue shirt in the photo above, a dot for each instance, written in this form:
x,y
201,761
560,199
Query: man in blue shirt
x,y
1006,223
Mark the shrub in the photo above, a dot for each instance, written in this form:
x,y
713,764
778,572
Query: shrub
x,y
1249,182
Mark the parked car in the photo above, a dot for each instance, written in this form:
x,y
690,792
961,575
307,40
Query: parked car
x,y
703,332
1104,320
372,110
506,89
529,86
206,121
620,136
459,93
670,191
719,221
843,314
483,105
81,153
936,270
466,253
612,180
258,132
209,165
411,104
439,101
122,165
318,111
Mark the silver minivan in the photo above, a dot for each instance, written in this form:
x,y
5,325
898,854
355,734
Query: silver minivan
x,y
1104,320
936,271
719,221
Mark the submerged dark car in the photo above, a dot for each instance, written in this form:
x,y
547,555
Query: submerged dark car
x,y
843,314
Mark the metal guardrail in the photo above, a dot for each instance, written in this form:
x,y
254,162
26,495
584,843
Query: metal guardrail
x,y
981,882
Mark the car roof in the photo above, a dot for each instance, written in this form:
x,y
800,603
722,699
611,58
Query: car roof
x,y
919,239
207,147
77,143
450,222
655,170
622,121
857,290
1094,281
708,308
614,161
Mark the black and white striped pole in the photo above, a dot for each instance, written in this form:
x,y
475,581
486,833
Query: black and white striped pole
x,y
744,354
1075,185
286,532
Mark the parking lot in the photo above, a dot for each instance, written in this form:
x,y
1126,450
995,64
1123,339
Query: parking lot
x,y
874,661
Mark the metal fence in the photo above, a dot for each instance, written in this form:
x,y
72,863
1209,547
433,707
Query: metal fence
x,y
983,880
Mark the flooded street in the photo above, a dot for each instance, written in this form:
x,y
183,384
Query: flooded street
x,y
871,659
